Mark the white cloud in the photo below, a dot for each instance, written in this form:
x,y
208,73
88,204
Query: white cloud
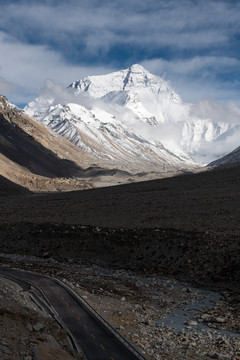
x,y
224,117
195,78
210,151
28,66
210,109
6,87
193,65
62,95
97,27
229,117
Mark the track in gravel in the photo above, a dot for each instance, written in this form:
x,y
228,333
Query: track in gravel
x,y
93,337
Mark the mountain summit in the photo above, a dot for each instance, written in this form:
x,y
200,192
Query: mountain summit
x,y
134,78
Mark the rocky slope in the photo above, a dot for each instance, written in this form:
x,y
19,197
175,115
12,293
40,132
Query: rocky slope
x,y
187,226
31,156
232,159
101,135
42,160
8,187
19,147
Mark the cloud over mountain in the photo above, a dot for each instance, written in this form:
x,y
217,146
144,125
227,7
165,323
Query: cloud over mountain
x,y
134,102
196,43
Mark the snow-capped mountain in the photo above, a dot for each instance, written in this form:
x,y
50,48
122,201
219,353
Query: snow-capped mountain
x,y
107,139
34,158
231,159
136,89
133,120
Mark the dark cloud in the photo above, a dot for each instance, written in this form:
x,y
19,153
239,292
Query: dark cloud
x,y
188,40
93,30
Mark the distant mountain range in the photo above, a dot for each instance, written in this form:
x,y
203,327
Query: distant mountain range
x,y
102,115
125,126
37,158
135,117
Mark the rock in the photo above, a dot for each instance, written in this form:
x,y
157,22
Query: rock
x,y
5,350
46,254
214,356
205,317
38,327
191,323
70,261
220,320
123,298
29,327
236,299
121,327
50,349
219,356
52,341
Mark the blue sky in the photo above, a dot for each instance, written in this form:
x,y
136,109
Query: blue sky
x,y
193,44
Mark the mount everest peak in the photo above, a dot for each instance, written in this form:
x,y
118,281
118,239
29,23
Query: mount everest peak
x,y
134,78
133,120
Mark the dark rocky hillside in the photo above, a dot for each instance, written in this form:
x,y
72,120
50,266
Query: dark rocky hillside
x,y
229,160
7,187
19,147
185,226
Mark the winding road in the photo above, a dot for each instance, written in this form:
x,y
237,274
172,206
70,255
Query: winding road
x,y
96,338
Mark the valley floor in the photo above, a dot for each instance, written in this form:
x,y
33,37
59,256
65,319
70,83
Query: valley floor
x,y
138,252
134,304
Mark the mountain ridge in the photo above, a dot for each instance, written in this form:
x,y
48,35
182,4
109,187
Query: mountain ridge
x,y
39,159
229,160
32,157
102,129
136,76
100,109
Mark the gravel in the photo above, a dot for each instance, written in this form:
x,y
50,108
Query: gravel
x,y
148,299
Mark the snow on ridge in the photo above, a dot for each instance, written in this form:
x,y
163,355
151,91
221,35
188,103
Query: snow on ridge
x,y
132,78
98,132
128,109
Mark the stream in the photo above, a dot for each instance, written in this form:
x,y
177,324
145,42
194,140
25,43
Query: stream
x,y
183,318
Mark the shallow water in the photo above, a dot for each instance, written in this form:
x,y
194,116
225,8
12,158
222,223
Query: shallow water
x,y
180,316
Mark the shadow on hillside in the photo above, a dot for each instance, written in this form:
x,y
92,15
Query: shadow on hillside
x,y
24,150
